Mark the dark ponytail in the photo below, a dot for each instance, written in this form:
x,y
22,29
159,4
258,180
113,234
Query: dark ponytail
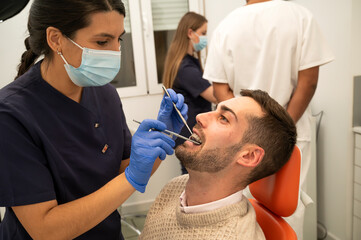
x,y
27,59
67,15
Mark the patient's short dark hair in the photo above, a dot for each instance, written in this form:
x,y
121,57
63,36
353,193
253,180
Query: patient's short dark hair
x,y
275,132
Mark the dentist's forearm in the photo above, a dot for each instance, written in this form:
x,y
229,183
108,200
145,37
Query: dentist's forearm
x,y
70,220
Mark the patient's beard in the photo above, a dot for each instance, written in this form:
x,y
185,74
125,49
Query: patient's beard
x,y
212,160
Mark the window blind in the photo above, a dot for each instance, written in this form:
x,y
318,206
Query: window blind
x,y
127,27
167,13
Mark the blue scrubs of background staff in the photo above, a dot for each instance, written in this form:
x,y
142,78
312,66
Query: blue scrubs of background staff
x,y
190,84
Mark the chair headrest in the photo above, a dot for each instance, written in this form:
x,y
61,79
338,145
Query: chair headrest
x,y
279,192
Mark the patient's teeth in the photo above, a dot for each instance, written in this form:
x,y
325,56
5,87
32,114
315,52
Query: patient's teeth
x,y
196,137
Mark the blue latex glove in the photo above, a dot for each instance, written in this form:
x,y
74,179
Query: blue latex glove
x,y
146,147
168,115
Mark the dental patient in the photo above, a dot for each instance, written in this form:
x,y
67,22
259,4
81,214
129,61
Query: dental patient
x,y
243,140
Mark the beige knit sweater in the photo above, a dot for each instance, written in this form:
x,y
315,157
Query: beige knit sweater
x,y
165,220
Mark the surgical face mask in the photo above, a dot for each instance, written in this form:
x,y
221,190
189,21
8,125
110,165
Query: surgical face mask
x,y
201,44
98,67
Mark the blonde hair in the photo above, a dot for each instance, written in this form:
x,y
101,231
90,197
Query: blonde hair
x,y
179,46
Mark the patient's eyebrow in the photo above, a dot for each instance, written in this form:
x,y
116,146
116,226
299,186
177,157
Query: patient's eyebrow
x,y
227,109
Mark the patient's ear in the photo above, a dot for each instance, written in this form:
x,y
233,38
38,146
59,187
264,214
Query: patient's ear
x,y
250,155
190,33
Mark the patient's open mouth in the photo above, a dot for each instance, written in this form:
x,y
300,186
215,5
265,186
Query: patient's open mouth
x,y
196,138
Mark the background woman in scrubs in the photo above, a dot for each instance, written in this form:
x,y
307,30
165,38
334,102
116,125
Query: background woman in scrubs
x,y
183,71
68,160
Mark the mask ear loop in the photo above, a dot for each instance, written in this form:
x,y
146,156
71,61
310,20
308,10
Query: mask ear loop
x,y
76,44
199,37
61,55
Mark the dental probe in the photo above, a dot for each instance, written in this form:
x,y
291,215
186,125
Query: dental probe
x,y
173,133
179,113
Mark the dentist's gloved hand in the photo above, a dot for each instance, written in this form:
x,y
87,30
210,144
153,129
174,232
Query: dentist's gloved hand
x,y
168,115
146,147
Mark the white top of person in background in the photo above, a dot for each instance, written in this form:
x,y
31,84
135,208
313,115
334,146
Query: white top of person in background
x,y
248,49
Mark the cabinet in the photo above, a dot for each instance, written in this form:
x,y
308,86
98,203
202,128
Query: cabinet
x,y
357,186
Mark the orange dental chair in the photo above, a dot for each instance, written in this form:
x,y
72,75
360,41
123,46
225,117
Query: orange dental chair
x,y
276,196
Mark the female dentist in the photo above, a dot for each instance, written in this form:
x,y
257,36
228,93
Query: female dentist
x,y
68,160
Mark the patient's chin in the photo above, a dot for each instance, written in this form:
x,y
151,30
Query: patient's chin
x,y
183,154
181,150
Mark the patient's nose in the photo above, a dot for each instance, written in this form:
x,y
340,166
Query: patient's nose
x,y
202,119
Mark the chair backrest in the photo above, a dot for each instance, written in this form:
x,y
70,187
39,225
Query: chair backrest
x,y
276,196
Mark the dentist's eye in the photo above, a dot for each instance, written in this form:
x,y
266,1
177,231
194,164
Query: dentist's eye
x,y
102,43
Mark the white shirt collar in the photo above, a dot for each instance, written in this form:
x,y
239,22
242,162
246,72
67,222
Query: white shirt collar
x,y
231,199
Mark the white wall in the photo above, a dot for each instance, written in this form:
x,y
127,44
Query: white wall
x,y
12,36
356,37
216,10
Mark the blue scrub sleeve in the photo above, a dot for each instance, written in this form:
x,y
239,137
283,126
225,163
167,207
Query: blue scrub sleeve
x,y
24,176
191,80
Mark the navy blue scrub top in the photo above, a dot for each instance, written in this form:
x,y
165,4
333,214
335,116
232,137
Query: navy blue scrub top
x,y
52,147
190,84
